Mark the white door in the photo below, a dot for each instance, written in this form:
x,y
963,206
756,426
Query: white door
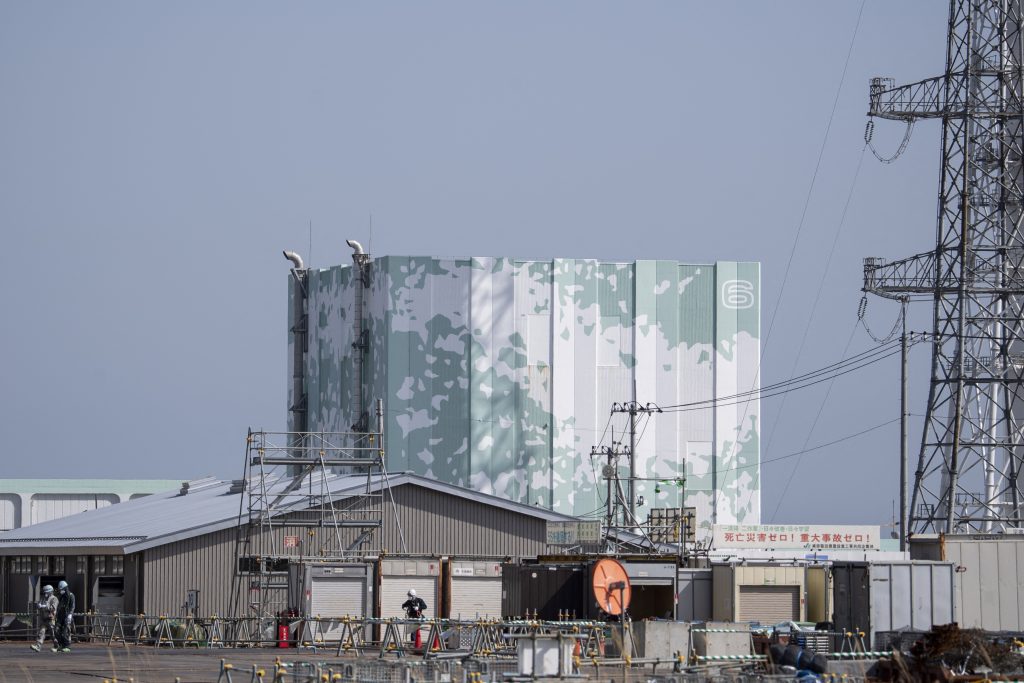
x,y
393,592
332,597
476,597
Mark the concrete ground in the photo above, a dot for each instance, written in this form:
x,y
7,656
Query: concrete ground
x,y
142,664
146,664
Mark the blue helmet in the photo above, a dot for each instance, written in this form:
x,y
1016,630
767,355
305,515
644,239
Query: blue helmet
x,y
62,585
47,589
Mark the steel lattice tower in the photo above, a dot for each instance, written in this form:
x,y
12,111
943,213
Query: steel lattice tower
x,y
972,445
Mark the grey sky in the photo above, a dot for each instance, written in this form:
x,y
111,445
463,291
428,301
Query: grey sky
x,y
156,158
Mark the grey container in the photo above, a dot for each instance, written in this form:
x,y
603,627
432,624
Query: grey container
x,y
989,590
891,597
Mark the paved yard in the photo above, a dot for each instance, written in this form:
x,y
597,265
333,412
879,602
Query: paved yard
x,y
142,664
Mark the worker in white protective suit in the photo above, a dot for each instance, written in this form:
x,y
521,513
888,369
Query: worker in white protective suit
x,y
47,617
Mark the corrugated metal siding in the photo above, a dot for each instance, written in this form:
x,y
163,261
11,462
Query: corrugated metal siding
x,y
436,523
432,523
47,506
205,563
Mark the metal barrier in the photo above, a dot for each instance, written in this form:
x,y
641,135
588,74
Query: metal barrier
x,y
483,671
373,649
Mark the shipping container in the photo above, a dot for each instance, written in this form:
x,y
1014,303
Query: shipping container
x,y
887,597
332,591
399,576
766,594
473,589
653,588
547,591
988,591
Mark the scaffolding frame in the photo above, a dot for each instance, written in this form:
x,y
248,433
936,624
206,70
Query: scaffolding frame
x,y
334,485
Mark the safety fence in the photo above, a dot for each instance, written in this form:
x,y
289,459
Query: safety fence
x,y
595,642
490,671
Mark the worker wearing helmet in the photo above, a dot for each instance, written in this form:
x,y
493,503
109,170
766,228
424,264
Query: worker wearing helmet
x,y
65,617
47,617
414,608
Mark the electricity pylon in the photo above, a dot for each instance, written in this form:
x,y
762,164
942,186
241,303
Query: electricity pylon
x,y
972,445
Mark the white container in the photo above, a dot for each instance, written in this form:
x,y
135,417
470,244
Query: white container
x,y
543,656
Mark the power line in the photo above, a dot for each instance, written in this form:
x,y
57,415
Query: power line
x,y
814,178
825,370
817,297
810,431
746,397
819,447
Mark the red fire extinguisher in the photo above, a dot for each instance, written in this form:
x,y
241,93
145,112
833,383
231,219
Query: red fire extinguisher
x,y
282,634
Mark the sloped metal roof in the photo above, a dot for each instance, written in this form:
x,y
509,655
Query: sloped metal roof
x,y
208,505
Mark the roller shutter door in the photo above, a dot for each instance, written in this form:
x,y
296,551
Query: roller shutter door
x,y
476,596
337,596
393,592
769,604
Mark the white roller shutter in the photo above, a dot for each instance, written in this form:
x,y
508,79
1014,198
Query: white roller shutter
x,y
769,604
393,592
476,596
337,596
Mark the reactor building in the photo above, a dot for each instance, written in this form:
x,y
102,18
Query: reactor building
x,y
500,375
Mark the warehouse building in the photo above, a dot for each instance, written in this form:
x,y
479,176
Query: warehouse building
x,y
31,501
146,555
499,374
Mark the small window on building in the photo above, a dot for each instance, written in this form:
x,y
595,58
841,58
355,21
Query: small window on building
x,y
58,565
256,565
278,564
80,563
249,565
99,564
117,564
42,565
21,564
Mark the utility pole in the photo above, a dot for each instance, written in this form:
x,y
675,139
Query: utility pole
x,y
632,408
903,430
610,472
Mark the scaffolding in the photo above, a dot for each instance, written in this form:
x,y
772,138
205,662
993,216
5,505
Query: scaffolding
x,y
306,497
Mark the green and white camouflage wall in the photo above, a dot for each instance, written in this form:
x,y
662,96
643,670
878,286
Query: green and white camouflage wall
x,y
499,374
